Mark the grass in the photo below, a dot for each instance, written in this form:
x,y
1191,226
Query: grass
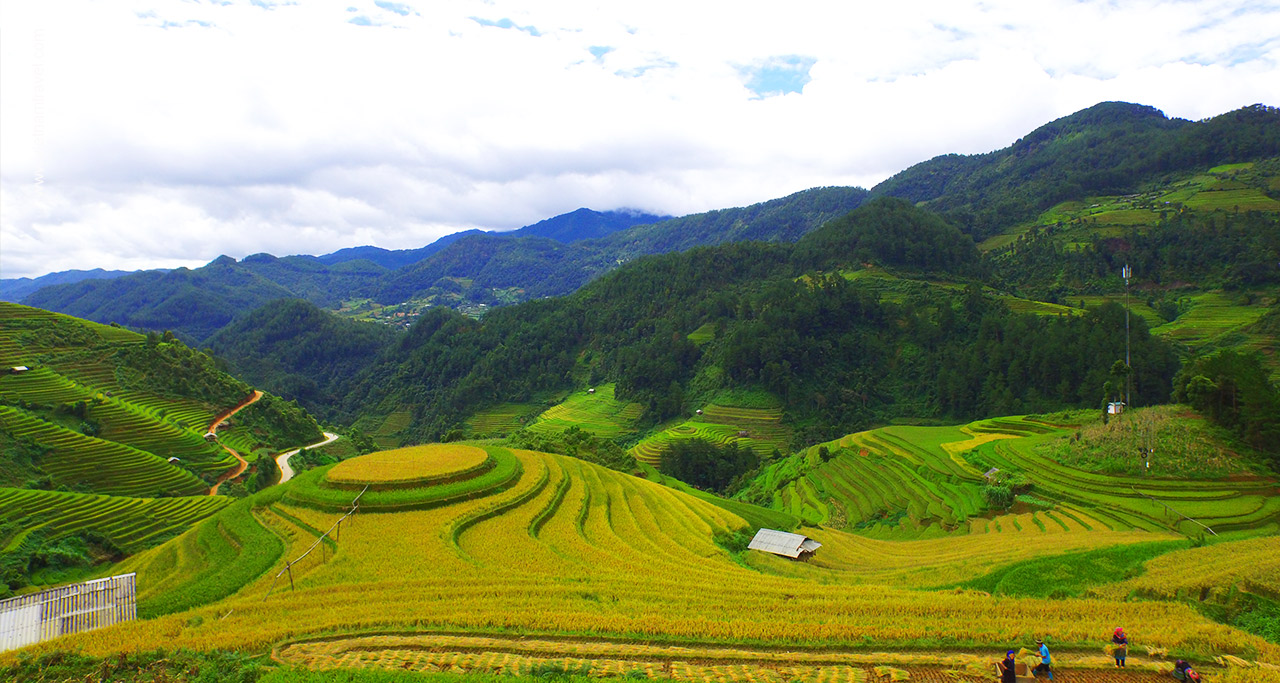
x,y
207,563
1072,574
1182,444
599,413
1211,314
106,466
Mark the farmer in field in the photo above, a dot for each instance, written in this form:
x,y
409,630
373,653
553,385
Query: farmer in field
x,y
1182,671
1120,643
1008,668
1044,666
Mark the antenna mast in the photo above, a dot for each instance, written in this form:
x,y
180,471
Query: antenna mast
x,y
1127,273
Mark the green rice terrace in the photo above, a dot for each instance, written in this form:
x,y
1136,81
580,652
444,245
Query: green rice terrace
x,y
921,482
759,428
593,410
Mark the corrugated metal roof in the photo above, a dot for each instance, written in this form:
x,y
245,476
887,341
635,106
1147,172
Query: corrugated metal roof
x,y
782,543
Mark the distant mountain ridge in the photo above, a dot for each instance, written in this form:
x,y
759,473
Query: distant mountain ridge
x,y
196,303
14,290
570,227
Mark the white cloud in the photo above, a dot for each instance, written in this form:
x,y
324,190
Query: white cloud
x,y
162,133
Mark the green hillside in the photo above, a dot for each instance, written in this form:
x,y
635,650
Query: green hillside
x,y
89,409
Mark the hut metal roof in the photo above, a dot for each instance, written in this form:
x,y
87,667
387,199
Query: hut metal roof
x,y
783,543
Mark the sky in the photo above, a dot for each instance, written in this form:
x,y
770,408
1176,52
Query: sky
x,y
163,133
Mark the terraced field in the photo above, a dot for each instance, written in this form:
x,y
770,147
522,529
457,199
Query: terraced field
x,y
589,555
106,466
131,523
760,429
503,418
387,435
122,421
1212,314
918,482
599,413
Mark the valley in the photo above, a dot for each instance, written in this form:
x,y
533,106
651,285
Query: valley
x,y
544,457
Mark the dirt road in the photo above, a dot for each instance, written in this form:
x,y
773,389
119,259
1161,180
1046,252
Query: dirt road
x,y
213,427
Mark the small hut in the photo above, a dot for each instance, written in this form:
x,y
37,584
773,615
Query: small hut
x,y
1115,407
698,411
591,391
210,437
782,543
174,459
18,369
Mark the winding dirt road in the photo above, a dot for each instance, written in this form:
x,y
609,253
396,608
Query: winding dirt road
x,y
286,472
213,427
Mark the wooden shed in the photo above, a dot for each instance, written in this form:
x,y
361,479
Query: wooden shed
x,y
783,543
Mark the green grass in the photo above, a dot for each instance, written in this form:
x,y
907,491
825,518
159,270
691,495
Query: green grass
x,y
1136,307
703,334
387,435
1072,574
599,413
1185,446
229,550
760,429
905,482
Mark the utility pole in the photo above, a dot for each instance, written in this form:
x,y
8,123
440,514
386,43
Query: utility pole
x,y
1127,273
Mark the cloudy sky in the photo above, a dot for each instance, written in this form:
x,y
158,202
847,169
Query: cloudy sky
x,y
162,133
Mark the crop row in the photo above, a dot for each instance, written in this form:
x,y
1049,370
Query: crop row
x,y
118,420
131,523
106,466
572,547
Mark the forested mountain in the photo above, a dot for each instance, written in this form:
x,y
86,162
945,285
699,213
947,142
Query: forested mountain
x,y
584,224
542,267
1109,148
794,320
301,351
196,303
576,225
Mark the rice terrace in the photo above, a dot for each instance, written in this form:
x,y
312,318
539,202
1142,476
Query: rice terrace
x,y
997,402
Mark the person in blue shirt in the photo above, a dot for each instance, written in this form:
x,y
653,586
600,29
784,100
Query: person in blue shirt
x,y
1045,666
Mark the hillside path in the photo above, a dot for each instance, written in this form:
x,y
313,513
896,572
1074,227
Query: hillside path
x,y
286,472
213,427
